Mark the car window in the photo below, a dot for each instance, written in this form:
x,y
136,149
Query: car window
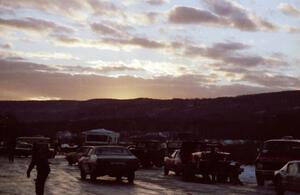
x,y
293,168
91,151
275,147
112,151
295,148
174,154
86,150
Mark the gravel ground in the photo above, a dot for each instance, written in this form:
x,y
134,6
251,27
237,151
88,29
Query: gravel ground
x,y
65,180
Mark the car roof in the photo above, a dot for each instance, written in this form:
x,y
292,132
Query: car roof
x,y
283,140
294,161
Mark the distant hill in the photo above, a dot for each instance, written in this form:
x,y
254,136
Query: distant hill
x,y
249,116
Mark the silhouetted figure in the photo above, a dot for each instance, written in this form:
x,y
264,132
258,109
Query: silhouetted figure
x,y
11,146
40,155
213,163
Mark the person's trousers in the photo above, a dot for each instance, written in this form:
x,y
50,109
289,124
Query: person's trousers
x,y
40,183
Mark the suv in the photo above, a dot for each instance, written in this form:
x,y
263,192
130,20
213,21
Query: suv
x,y
273,155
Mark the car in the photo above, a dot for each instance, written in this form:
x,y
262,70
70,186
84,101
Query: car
x,y
288,178
173,163
194,158
114,161
73,157
24,145
273,155
150,152
23,149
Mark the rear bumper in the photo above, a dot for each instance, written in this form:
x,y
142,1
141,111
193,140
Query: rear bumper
x,y
117,169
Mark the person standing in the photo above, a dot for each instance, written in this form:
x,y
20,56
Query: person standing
x,y
40,155
11,146
213,163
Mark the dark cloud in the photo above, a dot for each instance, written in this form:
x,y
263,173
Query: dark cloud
x,y
104,29
135,41
22,80
66,39
6,46
276,81
11,66
103,7
57,7
223,14
229,53
35,25
156,2
109,68
189,15
238,16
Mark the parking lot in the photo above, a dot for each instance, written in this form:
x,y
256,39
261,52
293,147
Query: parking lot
x,y
65,179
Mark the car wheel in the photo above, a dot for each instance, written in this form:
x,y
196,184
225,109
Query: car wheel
x,y
82,174
278,185
260,180
131,177
166,170
188,173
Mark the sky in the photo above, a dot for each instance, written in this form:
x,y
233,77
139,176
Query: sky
x,y
88,49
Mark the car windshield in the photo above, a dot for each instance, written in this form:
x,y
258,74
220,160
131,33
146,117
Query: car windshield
x,y
112,151
277,147
281,147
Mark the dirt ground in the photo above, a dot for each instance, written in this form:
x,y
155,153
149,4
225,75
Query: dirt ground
x,y
65,179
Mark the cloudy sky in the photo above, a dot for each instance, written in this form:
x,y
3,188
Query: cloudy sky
x,y
85,49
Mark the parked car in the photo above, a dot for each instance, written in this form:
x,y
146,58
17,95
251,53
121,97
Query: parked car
x,y
195,158
115,161
273,155
24,145
288,178
23,149
173,163
150,152
73,157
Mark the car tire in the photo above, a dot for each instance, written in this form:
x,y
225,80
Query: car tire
x,y
260,180
82,174
131,177
278,185
188,173
166,170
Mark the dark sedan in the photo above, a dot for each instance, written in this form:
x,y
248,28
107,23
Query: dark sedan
x,y
115,161
288,178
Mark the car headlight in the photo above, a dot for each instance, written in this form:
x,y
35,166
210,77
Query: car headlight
x,y
259,166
